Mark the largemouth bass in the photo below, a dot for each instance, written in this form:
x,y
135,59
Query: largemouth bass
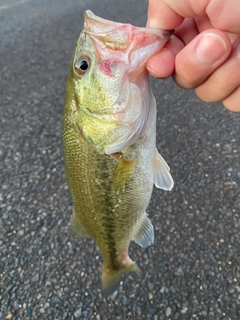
x,y
109,132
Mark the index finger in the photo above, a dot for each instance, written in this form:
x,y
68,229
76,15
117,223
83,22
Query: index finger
x,y
162,16
169,14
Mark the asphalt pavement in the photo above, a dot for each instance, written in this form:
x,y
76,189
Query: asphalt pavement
x,y
193,269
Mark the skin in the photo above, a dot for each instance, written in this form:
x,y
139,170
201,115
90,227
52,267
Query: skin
x,y
204,52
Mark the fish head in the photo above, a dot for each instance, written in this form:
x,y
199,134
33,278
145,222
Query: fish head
x,y
110,81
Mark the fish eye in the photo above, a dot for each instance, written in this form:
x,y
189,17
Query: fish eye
x,y
82,65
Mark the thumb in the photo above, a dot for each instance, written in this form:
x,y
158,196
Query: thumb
x,y
199,58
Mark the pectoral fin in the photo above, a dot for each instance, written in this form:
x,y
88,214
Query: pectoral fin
x,y
144,233
161,175
123,173
77,228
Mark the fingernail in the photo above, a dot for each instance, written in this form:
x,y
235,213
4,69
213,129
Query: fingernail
x,y
210,49
238,50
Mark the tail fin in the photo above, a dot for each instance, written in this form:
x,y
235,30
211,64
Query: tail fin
x,y
111,278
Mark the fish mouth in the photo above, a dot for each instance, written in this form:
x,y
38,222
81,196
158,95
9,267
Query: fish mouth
x,y
115,39
123,37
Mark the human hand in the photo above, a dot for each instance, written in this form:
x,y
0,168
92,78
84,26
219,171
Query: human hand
x,y
204,52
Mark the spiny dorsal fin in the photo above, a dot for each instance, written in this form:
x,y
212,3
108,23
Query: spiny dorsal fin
x,y
161,175
144,234
77,228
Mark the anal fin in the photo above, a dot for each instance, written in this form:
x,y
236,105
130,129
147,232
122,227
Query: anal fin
x,y
77,229
144,234
161,175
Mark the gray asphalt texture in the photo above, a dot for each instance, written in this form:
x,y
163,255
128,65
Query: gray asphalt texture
x,y
193,269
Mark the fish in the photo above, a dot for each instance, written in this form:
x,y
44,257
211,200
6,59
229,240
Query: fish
x,y
109,140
